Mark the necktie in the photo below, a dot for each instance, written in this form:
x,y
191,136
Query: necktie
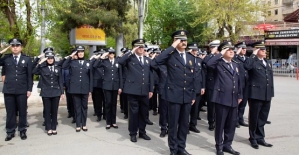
x,y
182,56
81,62
243,58
111,62
230,67
51,69
264,63
140,60
15,60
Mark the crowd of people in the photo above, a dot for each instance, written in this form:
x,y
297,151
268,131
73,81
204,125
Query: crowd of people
x,y
176,83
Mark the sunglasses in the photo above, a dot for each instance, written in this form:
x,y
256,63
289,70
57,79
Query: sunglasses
x,y
15,45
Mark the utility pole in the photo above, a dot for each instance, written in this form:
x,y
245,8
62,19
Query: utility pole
x,y
141,17
43,41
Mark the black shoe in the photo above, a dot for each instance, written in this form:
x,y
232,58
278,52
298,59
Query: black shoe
x,y
115,126
108,127
163,133
54,133
69,116
122,111
94,114
9,137
23,135
263,143
242,123
237,125
219,152
231,151
148,122
73,121
126,117
254,145
203,110
198,118
84,129
43,124
78,129
99,119
133,139
268,122
211,127
194,129
183,153
49,133
155,113
144,136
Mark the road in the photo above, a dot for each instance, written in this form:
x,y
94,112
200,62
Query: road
x,y
283,133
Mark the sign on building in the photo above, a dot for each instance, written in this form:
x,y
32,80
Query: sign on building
x,y
87,35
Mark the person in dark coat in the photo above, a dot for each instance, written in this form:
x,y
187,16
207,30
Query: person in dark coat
x,y
226,95
199,87
210,83
179,89
51,89
80,85
138,87
240,58
260,93
112,84
123,96
16,88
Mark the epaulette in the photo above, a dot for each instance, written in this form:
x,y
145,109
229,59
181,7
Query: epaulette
x,y
235,61
171,52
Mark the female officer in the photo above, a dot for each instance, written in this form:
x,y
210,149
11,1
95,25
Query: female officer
x,y
112,84
51,89
80,73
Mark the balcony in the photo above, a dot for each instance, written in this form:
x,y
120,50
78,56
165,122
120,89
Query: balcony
x,y
287,2
287,10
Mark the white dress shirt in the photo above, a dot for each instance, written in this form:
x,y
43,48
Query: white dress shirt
x,y
184,55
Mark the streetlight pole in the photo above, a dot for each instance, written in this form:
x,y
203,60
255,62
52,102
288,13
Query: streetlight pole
x,y
43,41
141,17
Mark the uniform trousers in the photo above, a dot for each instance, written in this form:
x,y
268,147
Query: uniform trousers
x,y
226,119
98,99
51,109
124,103
258,115
80,102
70,103
138,112
194,111
178,117
154,100
210,107
110,106
11,102
163,119
242,106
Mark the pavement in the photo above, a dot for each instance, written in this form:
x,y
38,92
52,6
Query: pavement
x,y
283,133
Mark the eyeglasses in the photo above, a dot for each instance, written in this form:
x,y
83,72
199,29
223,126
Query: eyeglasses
x,y
15,45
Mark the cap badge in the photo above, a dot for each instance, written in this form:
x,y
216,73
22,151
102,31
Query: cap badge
x,y
182,33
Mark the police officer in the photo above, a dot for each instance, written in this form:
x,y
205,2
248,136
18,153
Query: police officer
x,y
112,84
51,89
199,87
154,99
80,85
260,93
98,97
226,95
138,87
240,58
210,83
123,96
179,89
17,87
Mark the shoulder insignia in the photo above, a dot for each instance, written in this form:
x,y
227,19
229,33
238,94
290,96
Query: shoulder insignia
x,y
171,52
233,60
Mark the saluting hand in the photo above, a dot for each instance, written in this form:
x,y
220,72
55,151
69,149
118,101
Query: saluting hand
x,y
43,60
239,51
104,55
255,51
150,94
134,49
92,57
41,55
224,51
5,49
72,55
175,43
193,101
214,50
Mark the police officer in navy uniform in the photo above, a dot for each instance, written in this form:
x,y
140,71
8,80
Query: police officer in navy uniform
x,y
51,89
138,87
17,87
240,58
199,87
112,84
179,90
260,93
81,79
226,95
210,83
98,97
123,96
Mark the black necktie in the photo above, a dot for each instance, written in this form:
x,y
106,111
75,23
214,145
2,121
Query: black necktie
x,y
182,56
15,60
140,60
51,69
243,58
111,62
230,67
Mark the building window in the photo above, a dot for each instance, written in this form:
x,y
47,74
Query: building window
x,y
276,2
276,12
269,3
269,13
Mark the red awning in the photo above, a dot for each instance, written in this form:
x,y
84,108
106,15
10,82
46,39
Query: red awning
x,y
293,17
282,42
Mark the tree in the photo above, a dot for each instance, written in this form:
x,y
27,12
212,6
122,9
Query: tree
x,y
225,19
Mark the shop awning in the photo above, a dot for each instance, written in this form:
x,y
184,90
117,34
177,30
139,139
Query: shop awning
x,y
293,17
282,42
